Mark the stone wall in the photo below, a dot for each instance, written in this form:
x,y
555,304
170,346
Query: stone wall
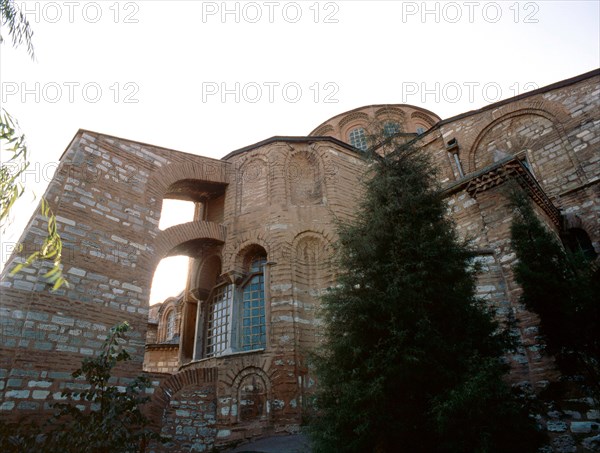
x,y
282,203
107,195
189,420
557,133
279,197
161,358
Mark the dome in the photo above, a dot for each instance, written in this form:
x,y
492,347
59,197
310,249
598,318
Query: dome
x,y
354,126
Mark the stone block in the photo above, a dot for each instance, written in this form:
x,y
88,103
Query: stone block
x,y
584,427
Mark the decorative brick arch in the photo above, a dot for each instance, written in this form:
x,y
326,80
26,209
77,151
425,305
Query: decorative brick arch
x,y
229,382
573,220
246,252
210,266
233,259
203,170
312,273
585,223
310,235
173,240
324,131
325,236
246,162
173,384
304,178
356,116
554,114
421,116
390,113
236,387
184,239
253,183
246,371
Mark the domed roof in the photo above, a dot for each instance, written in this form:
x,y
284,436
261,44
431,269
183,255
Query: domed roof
x,y
402,117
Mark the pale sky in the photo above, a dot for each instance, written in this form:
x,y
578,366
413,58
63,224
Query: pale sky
x,y
155,71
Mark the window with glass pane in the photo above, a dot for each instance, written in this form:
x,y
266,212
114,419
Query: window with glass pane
x,y
170,325
253,327
217,329
390,128
358,138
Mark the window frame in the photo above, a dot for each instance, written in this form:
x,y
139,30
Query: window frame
x,y
350,132
248,280
228,314
233,313
170,324
391,124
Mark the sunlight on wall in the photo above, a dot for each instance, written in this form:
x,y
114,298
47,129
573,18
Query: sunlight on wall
x,y
171,273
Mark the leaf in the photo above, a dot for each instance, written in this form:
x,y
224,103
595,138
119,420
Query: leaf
x,y
51,249
55,270
17,268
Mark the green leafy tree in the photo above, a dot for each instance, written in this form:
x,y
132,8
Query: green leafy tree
x,y
113,424
18,26
411,359
563,288
14,162
14,157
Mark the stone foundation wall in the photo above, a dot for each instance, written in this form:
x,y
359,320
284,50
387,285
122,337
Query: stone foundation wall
x,y
189,421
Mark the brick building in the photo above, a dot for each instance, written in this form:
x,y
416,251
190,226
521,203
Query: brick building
x,y
260,249
162,336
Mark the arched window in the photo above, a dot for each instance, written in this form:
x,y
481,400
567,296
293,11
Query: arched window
x,y
170,325
578,241
390,128
253,326
358,138
234,317
217,329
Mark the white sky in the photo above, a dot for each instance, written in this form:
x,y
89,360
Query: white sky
x,y
169,56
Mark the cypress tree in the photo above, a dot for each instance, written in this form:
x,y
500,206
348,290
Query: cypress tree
x,y
563,288
411,359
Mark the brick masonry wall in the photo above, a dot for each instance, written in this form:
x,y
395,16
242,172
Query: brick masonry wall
x,y
282,196
558,132
107,196
161,359
283,202
189,420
